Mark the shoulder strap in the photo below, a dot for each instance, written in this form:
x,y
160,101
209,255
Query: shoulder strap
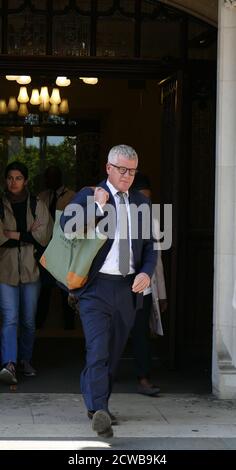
x,y
63,193
33,204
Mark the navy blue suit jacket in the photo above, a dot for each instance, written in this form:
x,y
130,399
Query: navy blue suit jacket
x,y
145,257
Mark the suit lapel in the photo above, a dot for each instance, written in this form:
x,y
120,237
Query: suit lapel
x,y
110,201
111,198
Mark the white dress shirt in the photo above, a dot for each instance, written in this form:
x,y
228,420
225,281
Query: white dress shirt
x,y
111,263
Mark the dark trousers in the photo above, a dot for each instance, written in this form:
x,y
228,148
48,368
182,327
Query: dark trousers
x,y
141,339
107,314
47,285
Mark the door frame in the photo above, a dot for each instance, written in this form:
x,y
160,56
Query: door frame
x,y
115,68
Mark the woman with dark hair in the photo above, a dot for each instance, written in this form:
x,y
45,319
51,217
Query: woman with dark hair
x,y
25,226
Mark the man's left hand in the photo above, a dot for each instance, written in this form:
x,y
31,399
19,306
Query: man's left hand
x,y
141,282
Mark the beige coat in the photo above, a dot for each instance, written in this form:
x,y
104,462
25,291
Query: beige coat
x,y
18,264
158,292
64,196
158,289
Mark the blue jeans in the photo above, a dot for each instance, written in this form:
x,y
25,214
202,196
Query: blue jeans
x,y
18,306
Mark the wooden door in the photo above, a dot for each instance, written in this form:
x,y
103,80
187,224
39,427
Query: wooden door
x,y
171,103
187,182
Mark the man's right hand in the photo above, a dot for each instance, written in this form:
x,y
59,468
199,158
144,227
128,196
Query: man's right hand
x,y
101,196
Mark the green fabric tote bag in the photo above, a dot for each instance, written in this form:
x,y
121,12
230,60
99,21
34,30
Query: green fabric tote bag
x,y
69,261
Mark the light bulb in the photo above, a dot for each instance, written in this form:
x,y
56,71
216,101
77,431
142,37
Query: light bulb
x,y
64,107
55,96
44,95
54,109
23,110
35,98
23,95
12,104
3,107
44,106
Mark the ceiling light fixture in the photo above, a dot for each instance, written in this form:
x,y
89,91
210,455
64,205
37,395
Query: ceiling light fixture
x,y
23,95
64,107
44,106
55,96
23,110
62,81
44,95
11,77
54,109
35,98
89,80
53,104
23,79
12,104
3,107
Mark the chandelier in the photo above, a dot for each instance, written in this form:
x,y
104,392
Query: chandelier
x,y
47,102
52,102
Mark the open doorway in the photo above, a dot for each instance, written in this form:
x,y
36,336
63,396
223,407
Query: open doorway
x,y
134,112
175,144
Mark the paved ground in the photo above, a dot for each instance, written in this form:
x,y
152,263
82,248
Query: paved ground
x,y
171,421
47,412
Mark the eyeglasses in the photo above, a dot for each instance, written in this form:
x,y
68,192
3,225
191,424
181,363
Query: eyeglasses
x,y
123,170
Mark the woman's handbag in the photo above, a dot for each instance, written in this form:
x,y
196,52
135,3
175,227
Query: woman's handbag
x,y
69,261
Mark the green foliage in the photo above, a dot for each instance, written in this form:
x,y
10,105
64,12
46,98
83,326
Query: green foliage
x,y
62,155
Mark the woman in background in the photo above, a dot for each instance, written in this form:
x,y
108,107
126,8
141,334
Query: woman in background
x,y
25,226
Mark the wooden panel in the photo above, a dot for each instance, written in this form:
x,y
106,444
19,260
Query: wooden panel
x,y
195,326
187,176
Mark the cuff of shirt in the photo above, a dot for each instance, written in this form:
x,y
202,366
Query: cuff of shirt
x,y
100,208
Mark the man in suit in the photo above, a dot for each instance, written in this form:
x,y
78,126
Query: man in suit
x,y
118,276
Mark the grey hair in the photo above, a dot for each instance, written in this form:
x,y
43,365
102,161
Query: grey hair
x,y
121,151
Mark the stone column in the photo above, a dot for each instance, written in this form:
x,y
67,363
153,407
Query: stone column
x,y
224,318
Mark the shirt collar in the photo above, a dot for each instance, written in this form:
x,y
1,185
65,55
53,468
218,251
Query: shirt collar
x,y
114,190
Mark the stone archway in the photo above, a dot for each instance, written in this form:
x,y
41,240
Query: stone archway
x,y
206,11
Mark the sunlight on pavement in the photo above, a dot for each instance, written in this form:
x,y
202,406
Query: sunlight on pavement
x,y
51,445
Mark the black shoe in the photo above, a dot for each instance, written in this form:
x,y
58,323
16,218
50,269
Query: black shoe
x,y
151,391
114,420
26,368
101,423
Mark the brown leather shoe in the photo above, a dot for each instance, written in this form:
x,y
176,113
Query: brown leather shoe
x,y
114,421
101,423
